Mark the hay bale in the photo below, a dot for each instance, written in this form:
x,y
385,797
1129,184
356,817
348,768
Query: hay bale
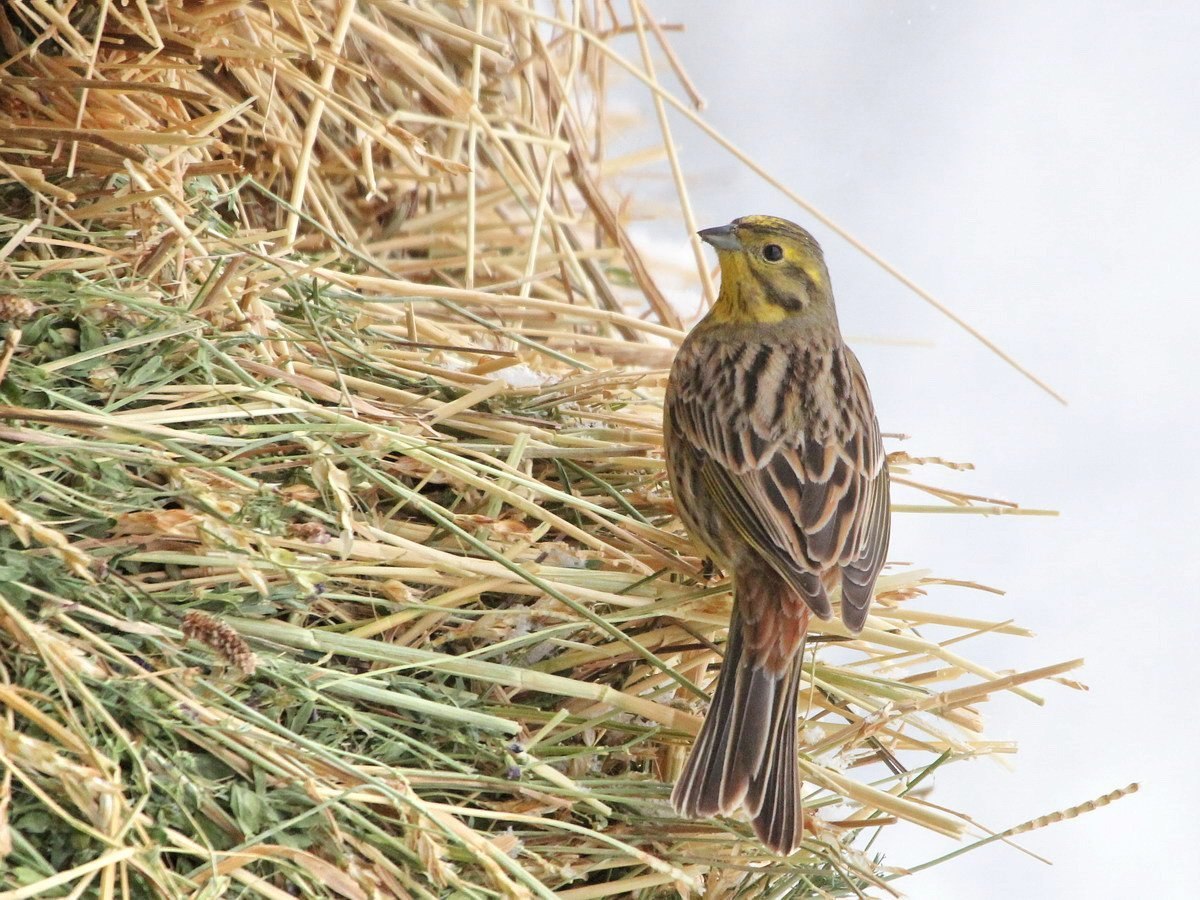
x,y
338,555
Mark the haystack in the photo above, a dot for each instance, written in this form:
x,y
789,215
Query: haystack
x,y
336,553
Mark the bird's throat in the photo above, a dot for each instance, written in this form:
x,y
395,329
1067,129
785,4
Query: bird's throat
x,y
745,298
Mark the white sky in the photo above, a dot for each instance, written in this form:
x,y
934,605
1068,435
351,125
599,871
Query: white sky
x,y
1037,167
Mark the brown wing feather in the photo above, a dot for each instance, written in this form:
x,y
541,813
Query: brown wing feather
x,y
756,530
799,474
868,552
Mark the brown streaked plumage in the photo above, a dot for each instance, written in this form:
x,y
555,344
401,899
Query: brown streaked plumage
x,y
775,458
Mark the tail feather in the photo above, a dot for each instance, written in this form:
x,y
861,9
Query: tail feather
x,y
745,755
749,732
698,792
774,797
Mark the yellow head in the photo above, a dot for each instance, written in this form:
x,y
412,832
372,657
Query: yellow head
x,y
771,270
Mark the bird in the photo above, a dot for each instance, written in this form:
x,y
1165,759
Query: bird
x,y
777,467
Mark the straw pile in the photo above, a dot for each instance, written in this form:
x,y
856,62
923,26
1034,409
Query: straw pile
x,y
336,554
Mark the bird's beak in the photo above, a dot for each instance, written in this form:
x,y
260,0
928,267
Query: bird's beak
x,y
722,238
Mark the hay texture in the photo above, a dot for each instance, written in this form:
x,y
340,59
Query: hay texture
x,y
337,557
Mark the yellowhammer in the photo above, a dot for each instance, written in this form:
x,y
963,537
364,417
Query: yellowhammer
x,y
775,459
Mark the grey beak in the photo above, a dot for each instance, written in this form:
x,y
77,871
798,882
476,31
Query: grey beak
x,y
723,237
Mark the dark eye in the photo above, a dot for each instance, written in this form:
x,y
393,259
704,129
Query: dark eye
x,y
772,253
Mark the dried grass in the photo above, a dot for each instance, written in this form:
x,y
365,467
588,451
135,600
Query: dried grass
x,y
326,346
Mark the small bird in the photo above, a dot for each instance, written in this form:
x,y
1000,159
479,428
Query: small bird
x,y
775,459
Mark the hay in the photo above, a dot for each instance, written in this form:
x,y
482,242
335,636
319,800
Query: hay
x,y
338,557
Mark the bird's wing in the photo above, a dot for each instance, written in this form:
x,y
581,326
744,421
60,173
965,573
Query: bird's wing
x,y
864,554
808,503
866,546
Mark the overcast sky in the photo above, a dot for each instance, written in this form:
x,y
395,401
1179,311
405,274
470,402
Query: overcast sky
x,y
1035,165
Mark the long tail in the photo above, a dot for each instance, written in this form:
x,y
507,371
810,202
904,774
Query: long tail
x,y
745,755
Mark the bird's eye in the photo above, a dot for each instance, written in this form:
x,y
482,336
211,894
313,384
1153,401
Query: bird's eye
x,y
772,253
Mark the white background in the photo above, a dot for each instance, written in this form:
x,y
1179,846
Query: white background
x,y
1035,165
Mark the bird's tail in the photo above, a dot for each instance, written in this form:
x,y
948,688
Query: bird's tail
x,y
745,755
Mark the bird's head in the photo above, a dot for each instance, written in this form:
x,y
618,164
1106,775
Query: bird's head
x,y
771,270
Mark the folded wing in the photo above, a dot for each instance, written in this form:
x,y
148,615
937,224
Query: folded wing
x,y
807,490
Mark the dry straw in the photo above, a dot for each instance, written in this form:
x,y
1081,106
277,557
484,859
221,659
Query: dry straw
x,y
325,343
